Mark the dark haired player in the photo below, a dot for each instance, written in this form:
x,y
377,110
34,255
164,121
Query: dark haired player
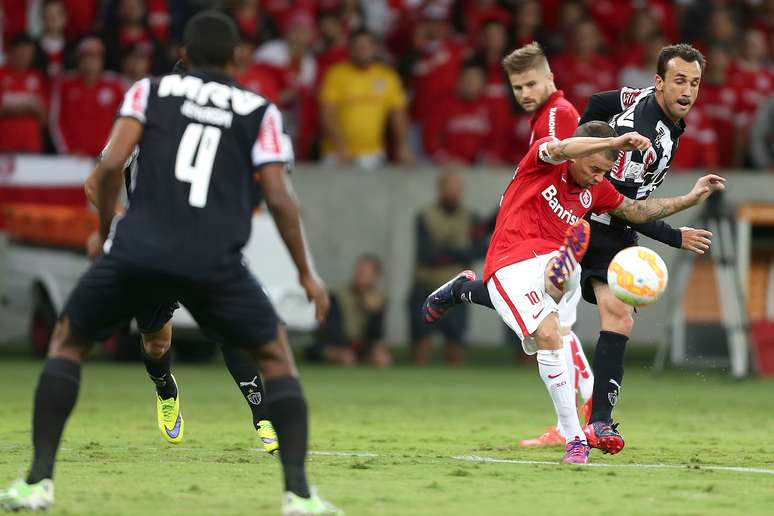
x,y
155,325
657,113
539,237
201,138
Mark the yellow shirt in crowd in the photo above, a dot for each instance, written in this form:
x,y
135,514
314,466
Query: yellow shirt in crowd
x,y
363,99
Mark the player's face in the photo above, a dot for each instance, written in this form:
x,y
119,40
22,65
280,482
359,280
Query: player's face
x,y
531,88
679,87
590,170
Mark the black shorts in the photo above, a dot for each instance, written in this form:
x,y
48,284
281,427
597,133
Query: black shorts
x,y
230,306
154,316
453,325
605,243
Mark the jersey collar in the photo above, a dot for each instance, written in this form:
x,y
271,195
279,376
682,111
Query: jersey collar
x,y
208,74
675,128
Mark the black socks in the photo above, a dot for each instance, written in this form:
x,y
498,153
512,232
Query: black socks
x,y
287,408
246,376
160,371
55,398
608,374
473,292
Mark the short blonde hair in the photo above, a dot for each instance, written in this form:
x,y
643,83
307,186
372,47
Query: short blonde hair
x,y
528,57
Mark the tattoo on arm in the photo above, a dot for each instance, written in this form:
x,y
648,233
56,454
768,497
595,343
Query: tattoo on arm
x,y
559,151
649,209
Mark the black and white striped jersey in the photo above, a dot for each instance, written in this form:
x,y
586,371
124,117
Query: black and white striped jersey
x,y
637,174
191,180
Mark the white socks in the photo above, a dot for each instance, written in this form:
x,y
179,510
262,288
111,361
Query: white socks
x,y
554,372
581,377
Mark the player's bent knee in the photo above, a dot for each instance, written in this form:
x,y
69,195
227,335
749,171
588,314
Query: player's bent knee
x,y
547,335
616,316
155,348
66,345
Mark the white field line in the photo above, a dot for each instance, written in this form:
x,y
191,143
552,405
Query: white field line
x,y
343,454
734,469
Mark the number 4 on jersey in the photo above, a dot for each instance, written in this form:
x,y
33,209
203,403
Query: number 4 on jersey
x,y
196,167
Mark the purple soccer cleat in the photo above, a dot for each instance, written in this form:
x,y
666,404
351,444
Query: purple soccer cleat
x,y
576,452
442,298
576,241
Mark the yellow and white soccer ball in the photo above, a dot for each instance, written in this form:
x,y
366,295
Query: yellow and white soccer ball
x,y
637,276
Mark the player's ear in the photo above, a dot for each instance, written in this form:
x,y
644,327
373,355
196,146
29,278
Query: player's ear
x,y
550,76
659,82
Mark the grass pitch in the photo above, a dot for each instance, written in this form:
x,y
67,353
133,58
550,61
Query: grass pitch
x,y
385,442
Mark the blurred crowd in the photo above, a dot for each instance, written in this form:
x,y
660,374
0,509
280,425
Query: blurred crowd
x,y
363,82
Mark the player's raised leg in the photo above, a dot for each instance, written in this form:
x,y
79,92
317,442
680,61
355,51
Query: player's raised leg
x,y
250,384
55,397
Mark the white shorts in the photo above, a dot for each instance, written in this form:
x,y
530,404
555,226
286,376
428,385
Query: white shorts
x,y
518,293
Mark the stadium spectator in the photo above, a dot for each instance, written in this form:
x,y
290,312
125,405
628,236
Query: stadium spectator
x,y
354,330
130,30
641,75
477,13
632,51
492,43
435,63
81,16
333,42
698,144
85,103
527,23
357,98
719,99
582,70
53,49
447,240
292,59
753,80
762,137
136,63
462,128
23,99
258,77
254,26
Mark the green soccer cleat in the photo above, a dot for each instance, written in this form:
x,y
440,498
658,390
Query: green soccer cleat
x,y
169,418
33,497
268,436
294,505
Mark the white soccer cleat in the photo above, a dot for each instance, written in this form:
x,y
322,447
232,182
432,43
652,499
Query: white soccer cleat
x,y
33,497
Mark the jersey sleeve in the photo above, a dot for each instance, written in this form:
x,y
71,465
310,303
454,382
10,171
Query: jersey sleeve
x,y
272,144
560,123
135,102
606,198
602,106
537,159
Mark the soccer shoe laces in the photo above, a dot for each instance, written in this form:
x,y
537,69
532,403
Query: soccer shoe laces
x,y
576,447
168,408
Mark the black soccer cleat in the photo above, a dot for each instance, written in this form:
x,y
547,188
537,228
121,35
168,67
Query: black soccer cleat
x,y
442,298
604,436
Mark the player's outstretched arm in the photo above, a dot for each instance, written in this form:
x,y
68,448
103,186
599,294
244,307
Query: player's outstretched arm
x,y
108,174
283,206
652,209
582,146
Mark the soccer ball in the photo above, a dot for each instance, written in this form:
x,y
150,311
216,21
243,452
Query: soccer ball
x,y
637,276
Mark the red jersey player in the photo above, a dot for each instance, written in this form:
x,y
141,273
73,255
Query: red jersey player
x,y
540,236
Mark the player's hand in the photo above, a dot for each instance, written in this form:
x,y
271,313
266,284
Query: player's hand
x,y
317,294
706,186
94,245
631,141
696,240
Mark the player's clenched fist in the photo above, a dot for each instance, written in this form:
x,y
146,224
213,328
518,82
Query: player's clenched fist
x,y
631,141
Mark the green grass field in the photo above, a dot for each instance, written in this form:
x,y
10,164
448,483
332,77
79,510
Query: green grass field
x,y
385,443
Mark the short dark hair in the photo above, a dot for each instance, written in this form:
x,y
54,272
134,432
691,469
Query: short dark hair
x,y
373,259
361,32
683,51
21,38
210,39
598,129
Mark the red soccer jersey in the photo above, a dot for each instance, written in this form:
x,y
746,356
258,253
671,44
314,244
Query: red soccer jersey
x,y
434,76
83,113
538,206
22,132
699,146
753,86
581,79
719,102
459,129
263,80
